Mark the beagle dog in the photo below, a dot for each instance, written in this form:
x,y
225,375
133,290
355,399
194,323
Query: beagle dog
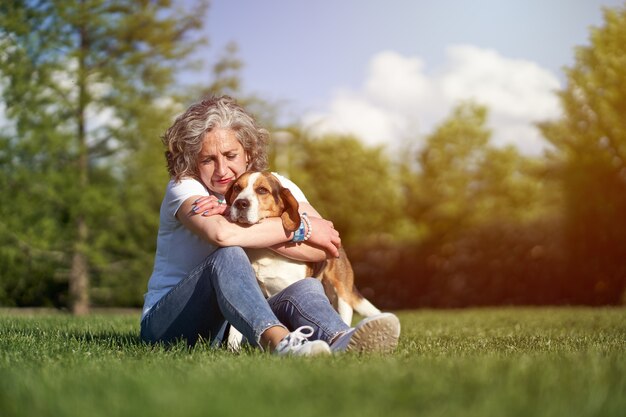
x,y
258,195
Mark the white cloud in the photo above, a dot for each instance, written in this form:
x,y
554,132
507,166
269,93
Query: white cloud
x,y
399,97
351,114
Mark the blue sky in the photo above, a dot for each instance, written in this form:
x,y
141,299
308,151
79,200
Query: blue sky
x,y
331,62
389,71
302,50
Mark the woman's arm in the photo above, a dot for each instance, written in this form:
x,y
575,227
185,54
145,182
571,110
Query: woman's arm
x,y
303,252
269,232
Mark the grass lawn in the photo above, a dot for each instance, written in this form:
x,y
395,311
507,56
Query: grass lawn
x,y
480,362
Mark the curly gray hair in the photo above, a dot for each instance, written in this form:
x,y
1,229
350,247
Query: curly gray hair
x,y
183,139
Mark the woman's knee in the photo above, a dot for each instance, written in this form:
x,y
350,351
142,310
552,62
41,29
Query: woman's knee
x,y
230,252
307,286
230,262
229,255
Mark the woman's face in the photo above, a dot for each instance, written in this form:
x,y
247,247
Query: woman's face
x,y
222,160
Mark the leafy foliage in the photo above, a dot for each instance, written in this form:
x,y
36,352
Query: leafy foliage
x,y
88,88
84,87
590,161
463,181
346,181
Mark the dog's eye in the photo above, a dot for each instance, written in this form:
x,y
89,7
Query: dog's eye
x,y
236,188
262,190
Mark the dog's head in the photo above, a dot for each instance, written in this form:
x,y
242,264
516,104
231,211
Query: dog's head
x,y
258,195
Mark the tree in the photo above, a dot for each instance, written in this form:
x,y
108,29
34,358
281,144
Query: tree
x,y
443,195
226,79
463,181
483,221
590,161
347,182
82,81
514,188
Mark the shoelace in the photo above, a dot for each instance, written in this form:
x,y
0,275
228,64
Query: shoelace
x,y
297,337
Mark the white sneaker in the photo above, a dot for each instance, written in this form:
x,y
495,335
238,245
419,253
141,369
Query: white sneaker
x,y
376,334
296,343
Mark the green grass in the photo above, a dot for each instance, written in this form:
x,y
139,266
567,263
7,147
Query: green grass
x,y
484,362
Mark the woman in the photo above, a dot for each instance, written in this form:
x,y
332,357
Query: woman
x,y
202,279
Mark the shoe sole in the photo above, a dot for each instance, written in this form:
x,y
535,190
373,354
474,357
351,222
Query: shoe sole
x,y
379,335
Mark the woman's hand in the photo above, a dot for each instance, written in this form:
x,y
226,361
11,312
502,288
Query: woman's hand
x,y
208,206
325,236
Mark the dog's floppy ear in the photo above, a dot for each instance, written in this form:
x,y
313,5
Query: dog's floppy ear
x,y
291,216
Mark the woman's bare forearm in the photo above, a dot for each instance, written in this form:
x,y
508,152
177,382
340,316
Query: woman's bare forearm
x,y
300,252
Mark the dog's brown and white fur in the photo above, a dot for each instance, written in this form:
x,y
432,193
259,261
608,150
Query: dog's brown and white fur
x,y
258,195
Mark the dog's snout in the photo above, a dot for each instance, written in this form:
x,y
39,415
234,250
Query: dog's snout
x,y
241,204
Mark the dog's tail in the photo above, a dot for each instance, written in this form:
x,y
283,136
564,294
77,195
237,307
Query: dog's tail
x,y
342,293
362,305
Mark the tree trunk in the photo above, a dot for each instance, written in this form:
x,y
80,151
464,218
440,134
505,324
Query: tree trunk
x,y
79,273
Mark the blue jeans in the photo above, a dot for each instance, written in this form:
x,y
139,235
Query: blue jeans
x,y
223,290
